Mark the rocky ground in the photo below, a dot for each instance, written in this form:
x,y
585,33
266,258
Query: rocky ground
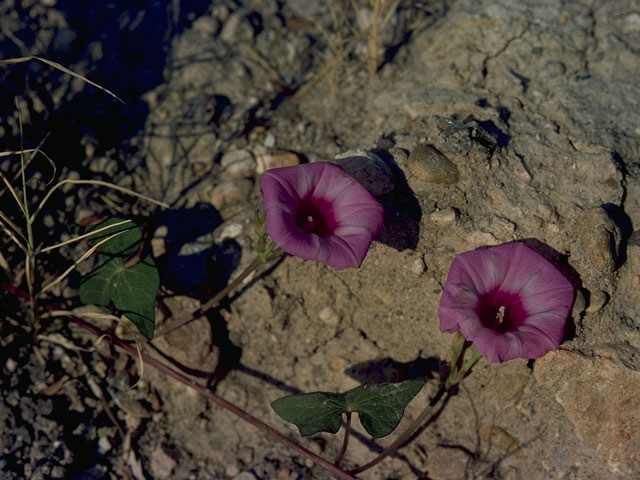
x,y
528,116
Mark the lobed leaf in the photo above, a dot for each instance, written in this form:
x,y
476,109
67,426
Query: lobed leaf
x,y
379,407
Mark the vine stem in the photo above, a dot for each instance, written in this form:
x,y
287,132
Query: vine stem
x,y
345,442
221,402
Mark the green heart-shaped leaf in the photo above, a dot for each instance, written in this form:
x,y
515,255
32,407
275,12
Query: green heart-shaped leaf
x,y
131,290
124,244
379,407
312,412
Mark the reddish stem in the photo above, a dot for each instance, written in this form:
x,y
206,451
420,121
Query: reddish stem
x,y
345,443
259,424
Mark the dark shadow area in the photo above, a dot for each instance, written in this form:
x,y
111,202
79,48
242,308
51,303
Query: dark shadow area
x,y
122,46
617,214
402,212
279,384
388,370
193,264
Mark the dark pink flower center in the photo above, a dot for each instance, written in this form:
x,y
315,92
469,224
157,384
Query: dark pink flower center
x,y
501,311
315,215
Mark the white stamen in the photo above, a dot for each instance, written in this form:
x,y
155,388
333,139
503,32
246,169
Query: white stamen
x,y
310,219
500,314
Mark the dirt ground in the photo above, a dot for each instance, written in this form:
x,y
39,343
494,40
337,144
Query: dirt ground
x,y
536,105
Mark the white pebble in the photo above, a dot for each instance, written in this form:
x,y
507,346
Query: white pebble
x,y
418,267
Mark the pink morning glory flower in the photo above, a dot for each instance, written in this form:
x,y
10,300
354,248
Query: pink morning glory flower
x,y
508,300
316,211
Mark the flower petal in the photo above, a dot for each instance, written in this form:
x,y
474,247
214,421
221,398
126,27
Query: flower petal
x,y
512,269
356,213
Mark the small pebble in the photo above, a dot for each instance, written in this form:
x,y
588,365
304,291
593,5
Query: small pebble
x,y
418,267
369,169
444,216
11,365
597,300
104,445
428,164
206,25
329,316
269,140
237,28
230,192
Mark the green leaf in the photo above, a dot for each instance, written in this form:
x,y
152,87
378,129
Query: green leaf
x,y
381,407
130,290
124,244
312,412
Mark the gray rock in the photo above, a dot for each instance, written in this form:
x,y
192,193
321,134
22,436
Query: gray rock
x,y
428,164
369,169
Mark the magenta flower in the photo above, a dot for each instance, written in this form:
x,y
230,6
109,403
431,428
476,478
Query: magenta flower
x,y
317,212
508,300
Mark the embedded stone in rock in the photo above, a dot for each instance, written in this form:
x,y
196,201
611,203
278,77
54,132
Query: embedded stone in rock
x,y
602,401
579,304
445,216
429,164
597,300
418,267
595,254
369,169
237,164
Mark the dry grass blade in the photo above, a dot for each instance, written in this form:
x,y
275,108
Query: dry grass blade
x,y
11,234
33,152
390,13
86,255
13,193
80,237
5,266
94,182
123,320
62,68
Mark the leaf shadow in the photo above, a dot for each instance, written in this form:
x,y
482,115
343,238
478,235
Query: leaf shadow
x,y
193,263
